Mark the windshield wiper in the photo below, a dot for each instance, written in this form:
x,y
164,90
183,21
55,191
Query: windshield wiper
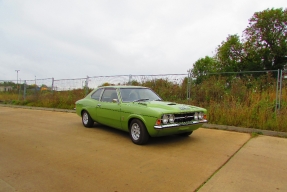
x,y
140,100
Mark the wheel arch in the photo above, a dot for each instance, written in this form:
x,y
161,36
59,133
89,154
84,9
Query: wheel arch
x,y
148,121
136,117
84,109
138,131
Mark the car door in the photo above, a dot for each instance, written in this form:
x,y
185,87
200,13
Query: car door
x,y
94,101
108,109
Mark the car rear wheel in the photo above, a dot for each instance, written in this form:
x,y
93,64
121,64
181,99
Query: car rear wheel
x,y
87,120
186,134
138,132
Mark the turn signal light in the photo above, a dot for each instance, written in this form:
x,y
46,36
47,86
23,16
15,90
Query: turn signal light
x,y
158,122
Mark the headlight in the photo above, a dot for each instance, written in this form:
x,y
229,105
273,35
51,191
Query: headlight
x,y
164,119
200,115
196,116
171,118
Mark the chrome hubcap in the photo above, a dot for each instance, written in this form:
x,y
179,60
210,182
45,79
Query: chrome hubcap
x,y
85,118
135,131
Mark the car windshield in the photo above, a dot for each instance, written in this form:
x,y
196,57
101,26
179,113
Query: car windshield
x,y
138,94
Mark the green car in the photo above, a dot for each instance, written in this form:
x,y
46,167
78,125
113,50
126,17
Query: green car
x,y
139,111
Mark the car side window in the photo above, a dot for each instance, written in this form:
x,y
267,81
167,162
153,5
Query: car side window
x,y
109,95
96,95
125,94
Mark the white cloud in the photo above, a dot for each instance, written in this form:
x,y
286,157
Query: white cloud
x,y
71,39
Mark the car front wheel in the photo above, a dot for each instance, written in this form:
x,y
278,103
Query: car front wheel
x,y
138,132
87,120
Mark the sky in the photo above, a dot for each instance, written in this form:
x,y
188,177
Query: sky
x,y
67,39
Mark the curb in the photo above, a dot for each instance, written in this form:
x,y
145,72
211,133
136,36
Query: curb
x,y
39,108
246,130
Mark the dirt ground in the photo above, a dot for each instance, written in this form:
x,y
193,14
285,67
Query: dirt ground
x,y
52,151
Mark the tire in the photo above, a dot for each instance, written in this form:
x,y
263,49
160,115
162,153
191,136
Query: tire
x,y
87,120
186,134
138,132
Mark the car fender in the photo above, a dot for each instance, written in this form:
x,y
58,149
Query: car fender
x,y
136,116
148,121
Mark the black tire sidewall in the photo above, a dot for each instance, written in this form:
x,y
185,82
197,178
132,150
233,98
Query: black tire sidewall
x,y
144,136
90,121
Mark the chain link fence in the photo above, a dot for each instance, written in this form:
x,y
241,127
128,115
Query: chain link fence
x,y
29,87
237,84
212,88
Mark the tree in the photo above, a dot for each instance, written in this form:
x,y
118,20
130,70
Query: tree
x,y
263,47
266,39
230,55
234,56
202,67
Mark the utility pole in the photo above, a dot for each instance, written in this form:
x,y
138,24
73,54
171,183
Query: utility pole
x,y
17,79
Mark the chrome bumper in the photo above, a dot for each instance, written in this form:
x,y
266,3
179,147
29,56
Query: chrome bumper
x,y
179,124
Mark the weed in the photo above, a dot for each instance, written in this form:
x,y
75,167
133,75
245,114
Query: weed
x,y
256,134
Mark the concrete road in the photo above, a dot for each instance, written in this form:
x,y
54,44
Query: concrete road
x,y
261,165
52,151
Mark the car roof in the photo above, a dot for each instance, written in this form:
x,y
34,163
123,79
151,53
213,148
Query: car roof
x,y
121,86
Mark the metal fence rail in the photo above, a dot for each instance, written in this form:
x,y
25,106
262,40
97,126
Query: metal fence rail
x,y
95,81
32,86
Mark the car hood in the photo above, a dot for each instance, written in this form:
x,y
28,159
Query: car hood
x,y
166,106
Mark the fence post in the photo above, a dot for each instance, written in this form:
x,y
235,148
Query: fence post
x,y
19,90
52,84
276,105
280,88
24,94
188,85
35,85
86,85
130,80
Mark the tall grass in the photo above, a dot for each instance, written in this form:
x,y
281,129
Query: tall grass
x,y
235,101
60,99
242,102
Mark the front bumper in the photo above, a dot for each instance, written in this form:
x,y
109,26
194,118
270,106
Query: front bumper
x,y
180,124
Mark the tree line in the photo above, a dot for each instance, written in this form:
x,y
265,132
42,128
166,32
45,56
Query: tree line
x,y
262,46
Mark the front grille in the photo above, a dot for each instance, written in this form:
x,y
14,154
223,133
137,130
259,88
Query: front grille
x,y
183,117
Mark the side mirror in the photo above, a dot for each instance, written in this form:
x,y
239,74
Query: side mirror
x,y
115,100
